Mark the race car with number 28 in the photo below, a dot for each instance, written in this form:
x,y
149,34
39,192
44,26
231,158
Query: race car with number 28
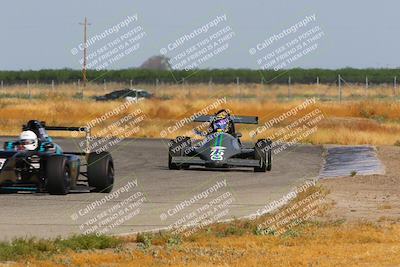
x,y
35,163
221,146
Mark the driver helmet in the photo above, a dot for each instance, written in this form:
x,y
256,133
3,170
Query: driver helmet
x,y
28,140
221,122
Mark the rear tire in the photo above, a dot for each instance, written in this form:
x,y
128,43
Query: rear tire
x,y
57,173
100,171
177,148
263,153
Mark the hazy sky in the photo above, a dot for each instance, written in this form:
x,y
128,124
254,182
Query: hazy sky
x,y
40,34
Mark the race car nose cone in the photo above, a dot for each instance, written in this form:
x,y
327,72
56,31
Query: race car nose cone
x,y
218,148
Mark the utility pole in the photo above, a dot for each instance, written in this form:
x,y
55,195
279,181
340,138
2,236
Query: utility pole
x,y
85,24
340,88
29,89
289,83
157,84
240,88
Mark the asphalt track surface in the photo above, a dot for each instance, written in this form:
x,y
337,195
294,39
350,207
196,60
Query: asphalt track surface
x,y
144,161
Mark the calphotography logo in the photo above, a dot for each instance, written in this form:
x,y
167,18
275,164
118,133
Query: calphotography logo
x,y
217,153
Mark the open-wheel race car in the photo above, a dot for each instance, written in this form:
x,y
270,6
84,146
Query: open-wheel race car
x,y
35,163
221,146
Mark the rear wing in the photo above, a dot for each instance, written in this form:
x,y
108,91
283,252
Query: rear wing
x,y
35,124
84,129
67,128
235,119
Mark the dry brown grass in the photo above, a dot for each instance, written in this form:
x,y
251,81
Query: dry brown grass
x,y
363,121
385,206
331,243
62,90
183,91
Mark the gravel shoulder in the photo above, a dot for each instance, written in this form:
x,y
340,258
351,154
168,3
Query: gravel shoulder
x,y
371,197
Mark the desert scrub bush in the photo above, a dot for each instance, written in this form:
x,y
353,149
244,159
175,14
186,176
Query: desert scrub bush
x,y
144,240
23,248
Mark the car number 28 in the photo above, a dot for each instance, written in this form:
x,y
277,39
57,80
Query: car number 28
x,y
217,153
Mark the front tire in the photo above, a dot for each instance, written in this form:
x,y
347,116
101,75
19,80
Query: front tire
x,y
263,153
269,155
58,180
100,171
176,148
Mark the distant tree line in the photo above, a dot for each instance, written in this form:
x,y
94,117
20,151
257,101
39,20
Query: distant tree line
x,y
221,76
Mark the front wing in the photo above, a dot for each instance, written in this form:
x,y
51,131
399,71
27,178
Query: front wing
x,y
232,162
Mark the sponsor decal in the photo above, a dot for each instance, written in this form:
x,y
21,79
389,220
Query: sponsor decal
x,y
2,161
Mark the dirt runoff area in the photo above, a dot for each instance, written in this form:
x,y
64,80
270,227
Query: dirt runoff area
x,y
367,198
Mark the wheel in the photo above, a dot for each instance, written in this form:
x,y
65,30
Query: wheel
x,y
100,172
269,154
187,143
177,148
173,151
57,173
263,153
